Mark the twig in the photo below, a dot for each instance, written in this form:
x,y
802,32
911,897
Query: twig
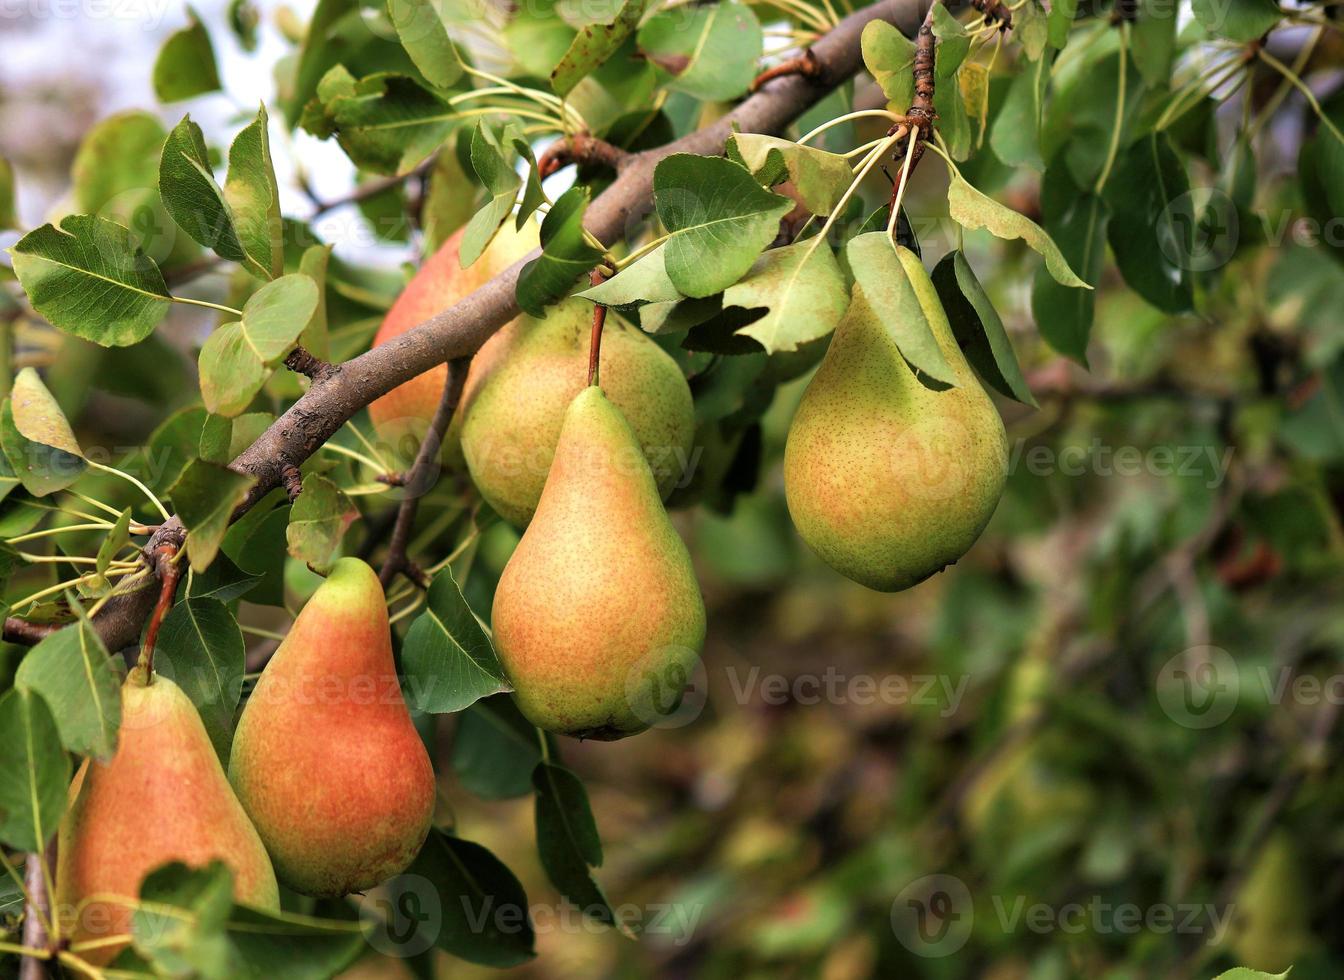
x,y
996,12
38,910
805,65
581,148
301,362
169,573
426,457
596,277
369,189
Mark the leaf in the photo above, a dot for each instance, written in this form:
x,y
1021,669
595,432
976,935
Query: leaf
x,y
1031,28
821,178
40,469
803,289
1059,21
501,184
34,772
567,840
9,217
1015,135
643,281
594,44
483,912
231,372
495,749
1153,38
318,522
385,123
38,417
243,21
976,325
972,210
254,199
205,496
533,194
1237,20
313,264
90,280
1244,973
116,539
201,648
953,41
880,271
565,254
186,66
422,33
718,218
1152,243
73,673
953,122
708,52
192,197
1078,220
277,313
449,661
890,58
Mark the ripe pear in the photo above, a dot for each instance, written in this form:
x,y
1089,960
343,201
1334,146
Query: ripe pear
x,y
598,619
890,481
513,421
163,797
402,415
326,760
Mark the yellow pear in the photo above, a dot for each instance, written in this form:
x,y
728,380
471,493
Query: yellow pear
x,y
888,480
598,619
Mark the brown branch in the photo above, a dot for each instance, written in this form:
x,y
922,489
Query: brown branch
x,y
805,64
300,361
459,330
996,12
426,458
368,189
581,148
37,909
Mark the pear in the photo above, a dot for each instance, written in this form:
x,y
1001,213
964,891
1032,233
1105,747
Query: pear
x,y
598,619
402,415
890,481
513,420
163,797
326,760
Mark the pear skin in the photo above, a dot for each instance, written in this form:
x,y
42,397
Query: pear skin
x,y
402,416
887,480
598,619
513,422
326,760
163,797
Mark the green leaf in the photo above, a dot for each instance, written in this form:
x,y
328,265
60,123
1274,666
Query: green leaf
x,y
448,659
73,673
318,522
116,539
803,290
1031,29
186,66
201,648
216,435
821,178
8,215
890,58
34,772
254,198
594,44
501,182
313,264
953,41
953,121
38,444
709,52
880,271
718,218
533,194
495,749
205,496
1060,21
976,325
972,210
37,415
1152,243
244,19
1153,40
1015,134
1237,20
643,281
423,35
192,197
89,279
1078,221
277,313
567,840
231,371
484,915
385,123
565,255
1244,973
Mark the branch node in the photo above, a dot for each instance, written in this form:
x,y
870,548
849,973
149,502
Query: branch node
x,y
581,149
807,64
301,362
293,480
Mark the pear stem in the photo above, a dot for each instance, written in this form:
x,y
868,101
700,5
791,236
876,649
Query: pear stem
x,y
169,574
596,277
397,561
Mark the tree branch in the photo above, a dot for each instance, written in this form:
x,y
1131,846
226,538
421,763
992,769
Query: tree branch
x,y
459,330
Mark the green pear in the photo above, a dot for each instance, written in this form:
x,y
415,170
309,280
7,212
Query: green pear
x,y
888,480
598,619
163,797
326,759
513,420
